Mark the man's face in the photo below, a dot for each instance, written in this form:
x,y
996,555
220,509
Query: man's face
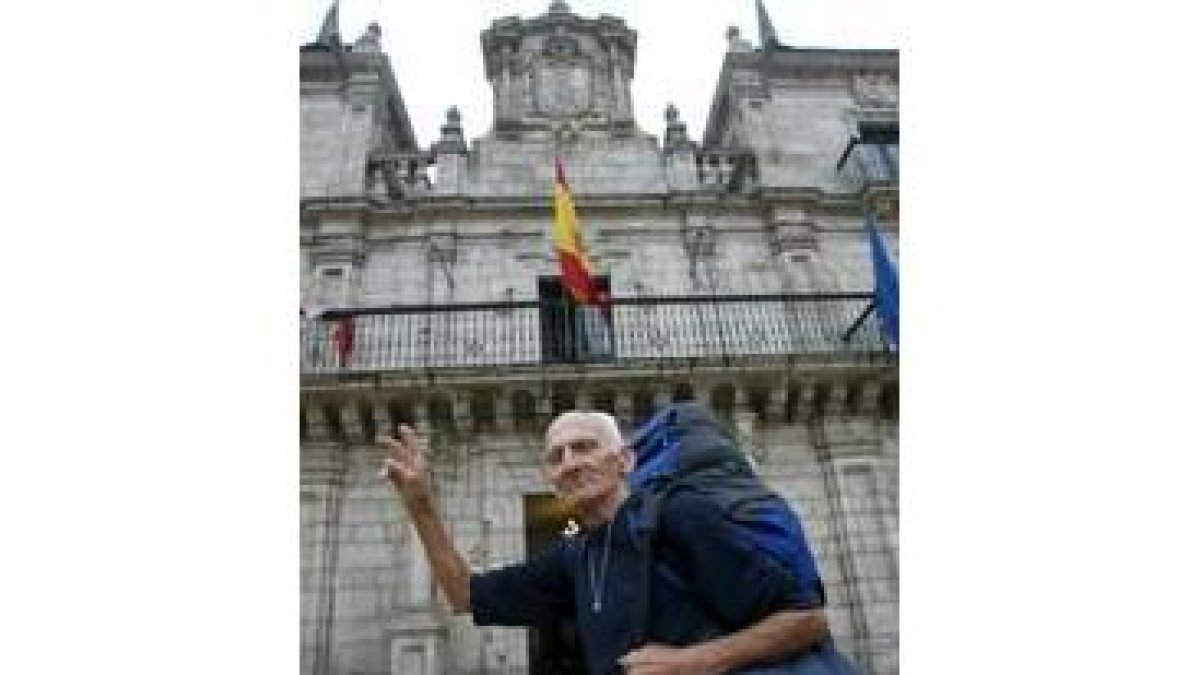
x,y
584,466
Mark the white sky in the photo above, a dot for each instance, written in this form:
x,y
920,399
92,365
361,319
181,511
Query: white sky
x,y
434,47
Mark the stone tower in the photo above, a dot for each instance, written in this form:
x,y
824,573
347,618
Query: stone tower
x,y
561,74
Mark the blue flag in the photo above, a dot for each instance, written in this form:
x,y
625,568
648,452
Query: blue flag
x,y
887,284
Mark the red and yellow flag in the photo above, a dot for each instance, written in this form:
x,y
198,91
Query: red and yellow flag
x,y
572,258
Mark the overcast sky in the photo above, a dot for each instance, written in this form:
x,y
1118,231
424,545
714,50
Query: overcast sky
x,y
434,47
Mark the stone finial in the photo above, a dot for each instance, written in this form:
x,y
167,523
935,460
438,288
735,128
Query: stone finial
x,y
559,7
452,139
736,44
369,41
676,133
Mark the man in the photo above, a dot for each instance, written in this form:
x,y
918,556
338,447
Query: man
x,y
723,608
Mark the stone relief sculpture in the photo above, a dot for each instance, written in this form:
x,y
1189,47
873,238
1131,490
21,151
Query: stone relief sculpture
x,y
875,90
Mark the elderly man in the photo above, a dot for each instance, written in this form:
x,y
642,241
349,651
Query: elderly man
x,y
728,607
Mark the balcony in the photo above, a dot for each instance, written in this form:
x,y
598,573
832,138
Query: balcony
x,y
632,333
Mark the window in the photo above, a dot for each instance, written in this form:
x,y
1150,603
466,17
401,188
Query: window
x,y
880,150
573,333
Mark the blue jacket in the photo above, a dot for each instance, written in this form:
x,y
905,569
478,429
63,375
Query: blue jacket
x,y
708,584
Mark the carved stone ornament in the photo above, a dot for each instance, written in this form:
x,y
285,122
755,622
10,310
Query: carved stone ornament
x,y
562,88
875,90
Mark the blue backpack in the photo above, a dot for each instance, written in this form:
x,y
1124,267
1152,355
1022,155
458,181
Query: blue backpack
x,y
685,447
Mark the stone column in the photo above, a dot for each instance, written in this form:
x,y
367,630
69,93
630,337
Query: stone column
x,y
505,422
543,410
624,407
315,422
777,403
461,411
352,422
868,401
322,478
382,418
806,407
450,155
421,423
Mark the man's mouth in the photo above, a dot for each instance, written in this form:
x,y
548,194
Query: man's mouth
x,y
578,484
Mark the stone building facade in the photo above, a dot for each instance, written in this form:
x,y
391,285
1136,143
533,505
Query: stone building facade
x,y
738,265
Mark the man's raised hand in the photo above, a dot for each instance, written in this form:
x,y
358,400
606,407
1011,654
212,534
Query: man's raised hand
x,y
405,464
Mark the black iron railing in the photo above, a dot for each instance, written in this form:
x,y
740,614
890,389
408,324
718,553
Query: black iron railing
x,y
631,330
870,164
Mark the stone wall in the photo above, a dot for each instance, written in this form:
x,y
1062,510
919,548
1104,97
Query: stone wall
x,y
498,257
335,136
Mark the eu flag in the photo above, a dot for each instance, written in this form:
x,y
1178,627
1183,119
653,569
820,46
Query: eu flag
x,y
887,284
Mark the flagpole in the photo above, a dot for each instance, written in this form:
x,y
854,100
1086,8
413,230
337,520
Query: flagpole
x,y
858,322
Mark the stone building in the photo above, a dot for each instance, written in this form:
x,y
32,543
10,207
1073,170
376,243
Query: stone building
x,y
738,266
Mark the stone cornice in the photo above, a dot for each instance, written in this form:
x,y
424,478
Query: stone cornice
x,y
841,404
434,205
883,367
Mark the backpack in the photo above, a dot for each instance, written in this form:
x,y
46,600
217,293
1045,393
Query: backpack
x,y
685,447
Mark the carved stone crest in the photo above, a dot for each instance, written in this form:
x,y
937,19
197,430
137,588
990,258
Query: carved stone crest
x,y
562,89
562,77
875,90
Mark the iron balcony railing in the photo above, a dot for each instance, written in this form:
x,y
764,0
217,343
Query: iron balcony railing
x,y
868,165
630,331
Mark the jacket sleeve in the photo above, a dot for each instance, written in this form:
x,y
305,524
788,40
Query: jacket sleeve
x,y
538,592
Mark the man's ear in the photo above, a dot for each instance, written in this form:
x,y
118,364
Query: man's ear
x,y
628,460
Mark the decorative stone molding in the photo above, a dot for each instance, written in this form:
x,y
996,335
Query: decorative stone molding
x,y
461,403
417,644
733,35
352,422
675,136
624,407
452,140
777,403
869,394
505,422
875,90
382,418
316,425
560,66
835,399
791,231
369,41
442,248
544,410
700,241
421,418
806,405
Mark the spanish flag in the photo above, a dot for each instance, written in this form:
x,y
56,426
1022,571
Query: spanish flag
x,y
572,258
